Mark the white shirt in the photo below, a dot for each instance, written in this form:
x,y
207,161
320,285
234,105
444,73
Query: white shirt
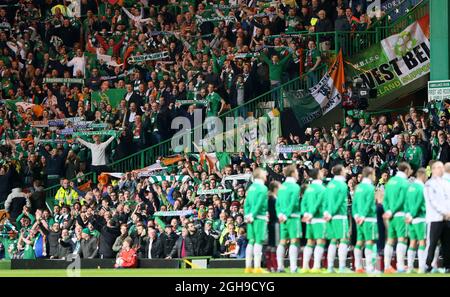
x,y
132,116
78,63
437,199
97,150
128,96
150,248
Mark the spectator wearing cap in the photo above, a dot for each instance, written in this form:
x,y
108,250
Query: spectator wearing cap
x,y
88,245
210,240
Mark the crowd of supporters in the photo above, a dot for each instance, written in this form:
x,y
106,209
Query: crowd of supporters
x,y
224,53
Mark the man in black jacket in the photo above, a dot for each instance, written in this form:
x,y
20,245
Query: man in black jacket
x,y
209,240
108,235
168,239
185,246
153,247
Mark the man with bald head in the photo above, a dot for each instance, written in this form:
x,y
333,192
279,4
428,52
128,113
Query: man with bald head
x,y
437,202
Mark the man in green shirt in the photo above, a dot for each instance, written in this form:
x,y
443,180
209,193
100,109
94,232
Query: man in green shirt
x,y
288,212
364,211
9,243
215,102
312,206
256,217
415,221
414,153
276,68
336,215
394,212
312,60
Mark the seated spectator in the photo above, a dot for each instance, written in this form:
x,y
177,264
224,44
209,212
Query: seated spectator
x,y
127,257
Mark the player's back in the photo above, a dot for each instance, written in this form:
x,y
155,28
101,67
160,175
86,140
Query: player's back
x,y
315,200
415,201
336,197
364,203
257,199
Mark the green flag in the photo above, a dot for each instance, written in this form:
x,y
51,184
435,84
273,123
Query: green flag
x,y
112,96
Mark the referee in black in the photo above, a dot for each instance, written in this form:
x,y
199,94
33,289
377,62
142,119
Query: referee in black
x,y
437,200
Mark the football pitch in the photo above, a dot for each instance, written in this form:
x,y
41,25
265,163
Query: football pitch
x,y
212,272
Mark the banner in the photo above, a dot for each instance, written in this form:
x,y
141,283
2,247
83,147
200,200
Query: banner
x,y
148,57
190,102
112,96
324,96
396,61
201,20
174,213
170,178
62,80
298,148
213,191
91,133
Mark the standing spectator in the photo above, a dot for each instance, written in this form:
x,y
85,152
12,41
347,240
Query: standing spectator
x,y
15,203
108,235
153,247
88,245
98,151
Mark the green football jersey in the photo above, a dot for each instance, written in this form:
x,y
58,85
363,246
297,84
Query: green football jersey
x,y
415,201
395,194
313,200
336,197
288,199
364,205
256,203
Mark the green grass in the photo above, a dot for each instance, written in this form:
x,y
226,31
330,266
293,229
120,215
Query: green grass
x,y
229,272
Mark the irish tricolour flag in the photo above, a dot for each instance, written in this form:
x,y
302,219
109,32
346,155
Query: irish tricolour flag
x,y
322,98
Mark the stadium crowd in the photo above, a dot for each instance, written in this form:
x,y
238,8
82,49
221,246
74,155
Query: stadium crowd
x,y
211,55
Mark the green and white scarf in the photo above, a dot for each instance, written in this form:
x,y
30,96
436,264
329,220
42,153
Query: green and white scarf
x,y
159,178
213,191
148,57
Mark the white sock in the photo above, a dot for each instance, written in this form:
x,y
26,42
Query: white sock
x,y
280,257
307,253
434,264
369,258
293,257
318,253
249,256
411,255
331,255
257,253
342,254
401,253
358,257
422,255
388,251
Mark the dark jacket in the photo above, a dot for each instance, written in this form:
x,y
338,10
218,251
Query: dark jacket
x,y
190,245
89,248
65,247
37,200
53,242
167,243
107,238
156,248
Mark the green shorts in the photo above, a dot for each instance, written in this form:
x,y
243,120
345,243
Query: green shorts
x,y
338,229
367,231
397,228
316,229
291,229
417,230
257,231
